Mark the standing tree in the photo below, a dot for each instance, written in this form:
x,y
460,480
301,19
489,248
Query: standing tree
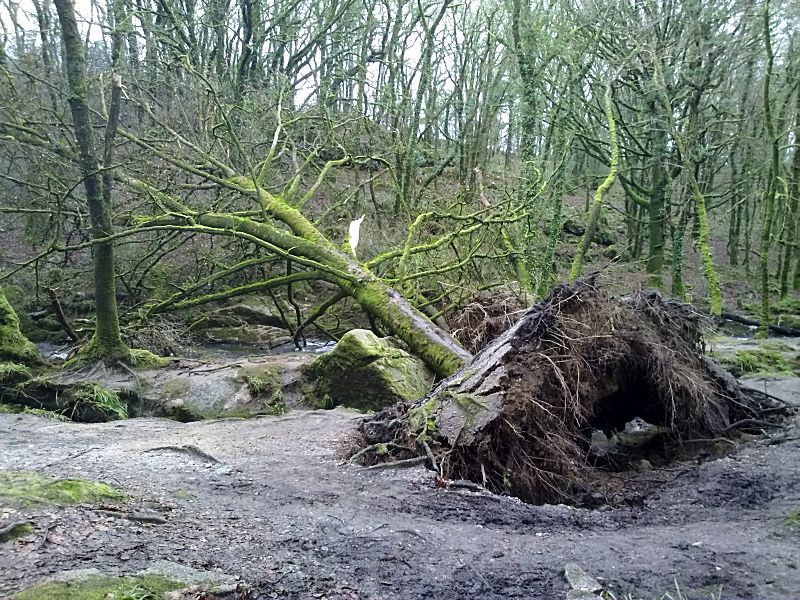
x,y
107,343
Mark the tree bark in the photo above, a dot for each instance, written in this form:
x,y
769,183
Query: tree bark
x,y
107,343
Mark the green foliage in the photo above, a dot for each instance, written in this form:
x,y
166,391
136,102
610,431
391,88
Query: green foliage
x,y
759,360
13,345
793,519
11,373
102,587
94,397
31,490
15,409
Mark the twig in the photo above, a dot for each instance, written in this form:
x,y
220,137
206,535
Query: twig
x,y
70,457
408,462
187,449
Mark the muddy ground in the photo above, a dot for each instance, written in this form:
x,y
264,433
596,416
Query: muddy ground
x,y
269,500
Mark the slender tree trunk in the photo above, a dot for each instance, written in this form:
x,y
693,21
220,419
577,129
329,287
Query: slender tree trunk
x,y
774,173
597,202
107,343
790,234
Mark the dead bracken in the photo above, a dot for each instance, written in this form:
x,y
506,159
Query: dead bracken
x,y
582,380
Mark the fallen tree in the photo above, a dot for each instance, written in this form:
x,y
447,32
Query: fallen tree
x,y
521,417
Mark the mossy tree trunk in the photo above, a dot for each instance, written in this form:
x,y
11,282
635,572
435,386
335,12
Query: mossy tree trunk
x,y
597,202
656,208
790,242
772,179
107,343
700,210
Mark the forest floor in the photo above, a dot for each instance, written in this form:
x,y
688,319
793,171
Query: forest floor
x,y
271,501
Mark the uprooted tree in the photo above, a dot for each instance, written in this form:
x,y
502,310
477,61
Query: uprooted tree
x,y
225,192
520,418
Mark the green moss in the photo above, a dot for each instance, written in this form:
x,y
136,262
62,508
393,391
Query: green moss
x,y
174,389
30,490
11,373
13,345
364,372
793,519
144,359
102,587
422,419
758,361
89,398
40,412
17,531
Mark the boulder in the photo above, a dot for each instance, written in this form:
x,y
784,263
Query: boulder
x,y
259,336
364,372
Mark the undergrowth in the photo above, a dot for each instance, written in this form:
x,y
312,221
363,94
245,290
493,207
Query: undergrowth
x,y
759,360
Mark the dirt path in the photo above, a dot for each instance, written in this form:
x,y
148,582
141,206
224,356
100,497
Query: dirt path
x,y
269,501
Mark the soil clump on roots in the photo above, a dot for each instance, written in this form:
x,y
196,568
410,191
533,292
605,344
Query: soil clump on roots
x,y
584,386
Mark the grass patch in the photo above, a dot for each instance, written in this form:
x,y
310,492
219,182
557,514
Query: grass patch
x,y
793,519
762,361
89,397
30,490
15,409
11,373
17,531
102,587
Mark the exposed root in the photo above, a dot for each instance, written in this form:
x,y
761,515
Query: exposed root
x,y
485,318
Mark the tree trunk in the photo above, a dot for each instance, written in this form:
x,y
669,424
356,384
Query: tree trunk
x,y
107,343
597,202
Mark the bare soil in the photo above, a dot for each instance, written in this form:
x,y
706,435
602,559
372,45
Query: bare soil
x,y
271,501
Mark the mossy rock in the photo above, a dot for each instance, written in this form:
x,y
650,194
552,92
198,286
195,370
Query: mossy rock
x,y
364,372
24,489
102,587
14,346
144,359
259,336
84,401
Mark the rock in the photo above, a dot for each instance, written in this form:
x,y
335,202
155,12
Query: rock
x,y
253,314
639,432
364,372
581,583
185,397
260,336
237,315
14,346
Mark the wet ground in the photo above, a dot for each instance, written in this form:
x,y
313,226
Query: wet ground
x,y
270,500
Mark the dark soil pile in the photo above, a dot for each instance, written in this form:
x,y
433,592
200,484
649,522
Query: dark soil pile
x,y
522,417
